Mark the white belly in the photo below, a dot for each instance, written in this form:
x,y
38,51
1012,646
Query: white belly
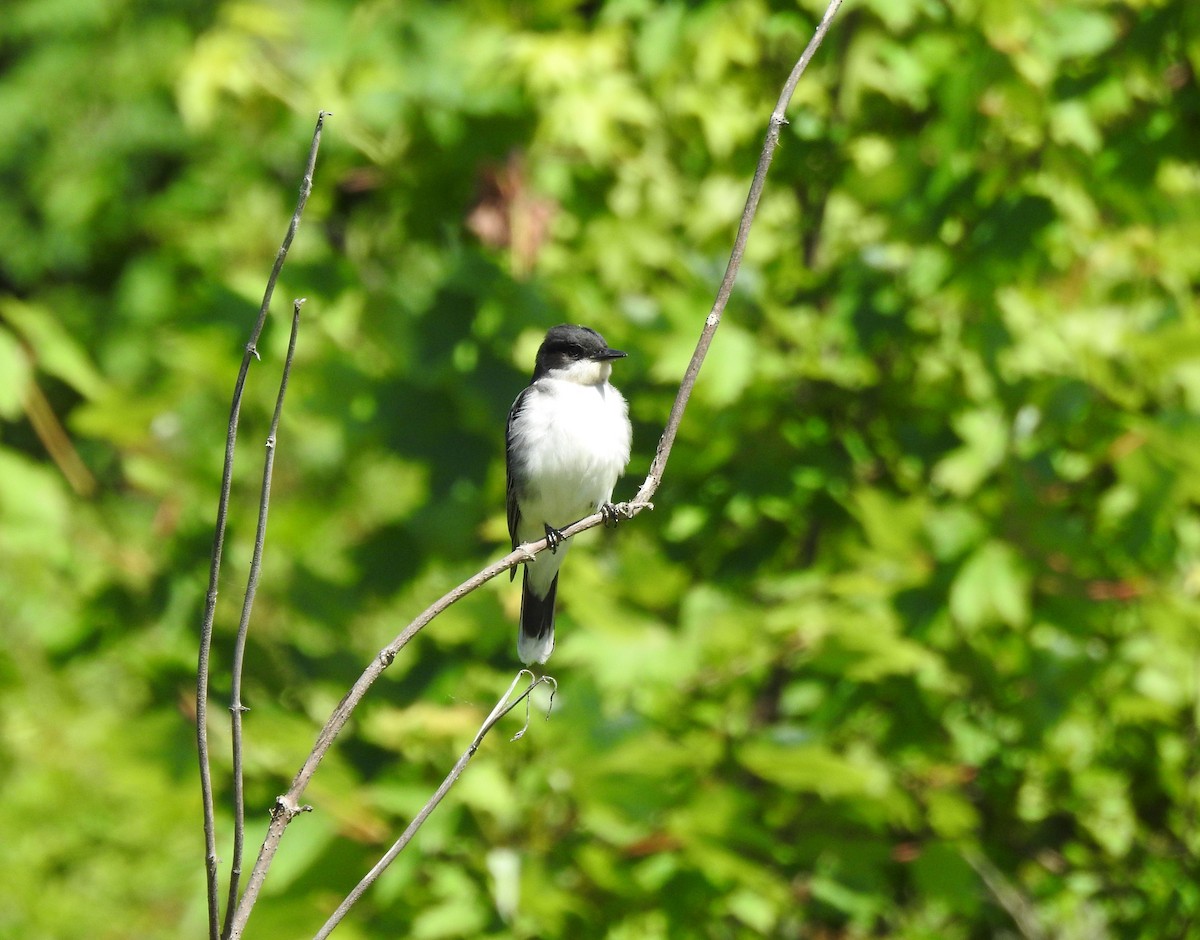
x,y
576,441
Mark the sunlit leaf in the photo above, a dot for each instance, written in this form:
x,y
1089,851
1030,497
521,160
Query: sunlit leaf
x,y
993,586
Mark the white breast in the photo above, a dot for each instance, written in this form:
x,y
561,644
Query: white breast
x,y
575,440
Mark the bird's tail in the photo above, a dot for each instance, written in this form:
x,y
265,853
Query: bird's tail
x,y
535,641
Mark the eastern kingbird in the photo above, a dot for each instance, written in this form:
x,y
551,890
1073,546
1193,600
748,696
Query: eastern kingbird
x,y
567,442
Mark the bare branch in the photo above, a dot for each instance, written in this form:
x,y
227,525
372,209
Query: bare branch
x,y
214,571
522,553
503,707
236,708
778,119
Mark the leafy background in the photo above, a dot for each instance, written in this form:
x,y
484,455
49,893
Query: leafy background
x,y
909,646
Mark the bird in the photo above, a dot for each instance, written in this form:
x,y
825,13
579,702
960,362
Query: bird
x,y
567,442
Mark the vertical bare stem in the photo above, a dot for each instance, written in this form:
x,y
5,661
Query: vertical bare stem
x,y
236,708
214,570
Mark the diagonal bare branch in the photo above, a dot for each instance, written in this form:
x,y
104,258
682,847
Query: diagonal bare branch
x,y
288,806
505,704
778,119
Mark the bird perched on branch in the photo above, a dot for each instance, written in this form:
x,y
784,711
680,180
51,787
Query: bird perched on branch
x,y
567,442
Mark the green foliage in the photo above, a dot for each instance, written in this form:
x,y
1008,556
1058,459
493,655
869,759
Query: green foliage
x,y
908,647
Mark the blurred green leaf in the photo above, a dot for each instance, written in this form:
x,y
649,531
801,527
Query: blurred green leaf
x,y
985,439
54,351
993,586
814,769
15,367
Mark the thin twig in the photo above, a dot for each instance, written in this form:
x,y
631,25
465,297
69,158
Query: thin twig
x,y
503,707
214,570
288,805
236,708
57,442
1007,895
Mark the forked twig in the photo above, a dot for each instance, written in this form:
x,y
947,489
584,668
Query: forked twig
x,y
503,707
214,570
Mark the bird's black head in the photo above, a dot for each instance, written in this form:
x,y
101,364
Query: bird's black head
x,y
567,344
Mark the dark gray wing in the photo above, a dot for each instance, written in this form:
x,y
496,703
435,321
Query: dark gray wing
x,y
514,508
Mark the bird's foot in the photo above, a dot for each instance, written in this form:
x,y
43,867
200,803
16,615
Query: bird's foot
x,y
611,515
553,537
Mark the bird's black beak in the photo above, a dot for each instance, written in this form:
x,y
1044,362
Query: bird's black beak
x,y
611,354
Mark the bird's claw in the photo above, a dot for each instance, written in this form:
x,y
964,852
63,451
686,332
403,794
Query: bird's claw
x,y
553,538
611,515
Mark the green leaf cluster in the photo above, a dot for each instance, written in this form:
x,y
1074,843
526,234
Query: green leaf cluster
x,y
908,647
